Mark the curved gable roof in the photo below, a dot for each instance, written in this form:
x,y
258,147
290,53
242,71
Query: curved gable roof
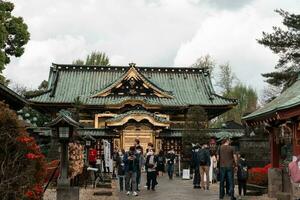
x,y
187,86
288,99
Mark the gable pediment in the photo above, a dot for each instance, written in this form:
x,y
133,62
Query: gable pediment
x,y
133,83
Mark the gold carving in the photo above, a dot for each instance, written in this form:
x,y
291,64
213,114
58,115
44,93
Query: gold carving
x,y
138,117
133,75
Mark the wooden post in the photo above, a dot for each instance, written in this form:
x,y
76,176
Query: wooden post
x,y
96,121
296,139
274,149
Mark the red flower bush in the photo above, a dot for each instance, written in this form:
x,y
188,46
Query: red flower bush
x,y
259,175
21,161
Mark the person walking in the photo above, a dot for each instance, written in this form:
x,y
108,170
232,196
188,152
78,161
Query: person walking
x,y
196,166
242,175
227,159
120,168
214,165
137,144
131,167
161,160
170,163
151,163
204,166
140,158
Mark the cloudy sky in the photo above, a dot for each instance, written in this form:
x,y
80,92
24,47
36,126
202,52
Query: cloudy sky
x,y
149,33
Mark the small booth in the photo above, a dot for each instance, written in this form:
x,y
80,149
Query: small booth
x,y
281,119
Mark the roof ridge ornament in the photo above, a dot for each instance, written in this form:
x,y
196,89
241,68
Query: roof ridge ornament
x,y
132,64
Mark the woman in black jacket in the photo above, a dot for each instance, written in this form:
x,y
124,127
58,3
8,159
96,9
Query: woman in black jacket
x,y
242,174
161,160
120,168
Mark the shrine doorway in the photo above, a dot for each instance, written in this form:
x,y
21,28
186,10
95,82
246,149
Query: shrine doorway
x,y
142,132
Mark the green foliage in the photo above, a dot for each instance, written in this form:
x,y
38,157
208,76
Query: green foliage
x,y
196,119
77,106
3,80
34,117
95,58
78,62
226,78
205,62
31,93
13,34
40,119
247,97
286,44
22,164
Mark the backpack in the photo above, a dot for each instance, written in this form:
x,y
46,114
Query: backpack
x,y
243,175
202,157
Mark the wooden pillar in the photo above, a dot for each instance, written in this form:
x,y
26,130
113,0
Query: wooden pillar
x,y
96,121
274,148
296,139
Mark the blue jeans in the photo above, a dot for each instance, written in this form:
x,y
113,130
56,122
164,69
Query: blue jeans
x,y
170,170
226,173
197,177
138,178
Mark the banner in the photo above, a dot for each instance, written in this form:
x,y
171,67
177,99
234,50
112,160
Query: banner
x,y
106,153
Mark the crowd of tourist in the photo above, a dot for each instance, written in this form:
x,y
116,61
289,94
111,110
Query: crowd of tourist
x,y
209,167
131,163
221,165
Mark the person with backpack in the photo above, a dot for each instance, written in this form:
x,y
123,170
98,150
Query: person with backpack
x,y
170,163
242,175
204,166
151,163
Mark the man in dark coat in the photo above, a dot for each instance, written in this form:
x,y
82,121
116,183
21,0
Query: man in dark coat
x,y
195,165
131,166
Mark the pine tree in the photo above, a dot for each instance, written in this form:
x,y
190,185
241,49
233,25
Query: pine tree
x,y
286,44
95,58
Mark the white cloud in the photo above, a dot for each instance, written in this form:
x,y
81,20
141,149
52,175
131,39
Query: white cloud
x,y
148,32
231,37
33,66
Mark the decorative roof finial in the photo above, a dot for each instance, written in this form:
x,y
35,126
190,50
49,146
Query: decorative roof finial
x,y
131,64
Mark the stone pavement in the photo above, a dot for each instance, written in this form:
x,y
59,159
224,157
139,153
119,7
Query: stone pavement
x,y
87,194
178,189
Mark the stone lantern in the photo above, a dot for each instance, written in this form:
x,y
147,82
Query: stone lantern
x,y
64,128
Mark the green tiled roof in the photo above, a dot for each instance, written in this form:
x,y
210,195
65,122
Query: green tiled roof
x,y
131,112
189,86
287,99
65,116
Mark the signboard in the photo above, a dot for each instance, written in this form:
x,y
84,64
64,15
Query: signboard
x,y
185,174
106,152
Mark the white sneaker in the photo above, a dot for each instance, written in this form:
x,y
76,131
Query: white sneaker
x,y
128,193
134,193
